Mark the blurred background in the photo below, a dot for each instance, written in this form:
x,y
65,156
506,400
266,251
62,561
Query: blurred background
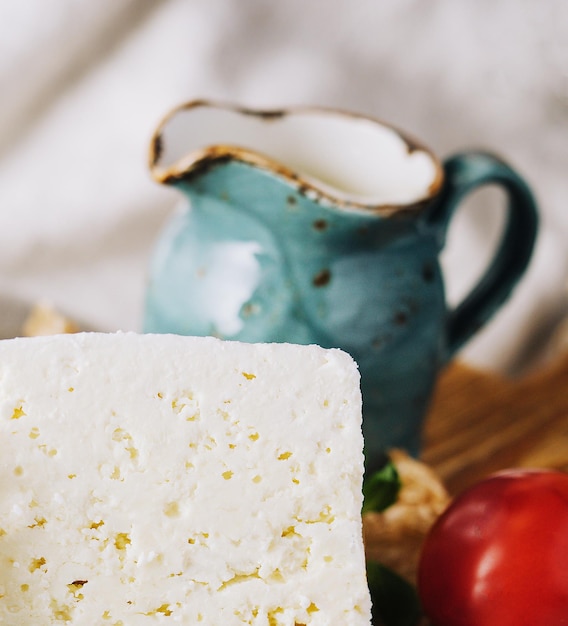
x,y
83,83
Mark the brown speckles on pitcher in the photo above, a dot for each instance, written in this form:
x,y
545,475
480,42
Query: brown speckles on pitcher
x,y
322,278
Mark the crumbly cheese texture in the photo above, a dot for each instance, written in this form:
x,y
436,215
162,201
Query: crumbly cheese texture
x,y
156,479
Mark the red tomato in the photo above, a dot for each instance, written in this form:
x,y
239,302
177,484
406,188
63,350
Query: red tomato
x,y
498,556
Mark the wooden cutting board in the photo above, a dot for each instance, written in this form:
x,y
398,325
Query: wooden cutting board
x,y
480,423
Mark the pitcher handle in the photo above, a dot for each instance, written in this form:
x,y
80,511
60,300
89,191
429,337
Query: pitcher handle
x,y
463,174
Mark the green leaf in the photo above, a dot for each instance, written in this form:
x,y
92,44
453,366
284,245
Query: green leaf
x,y
395,601
380,490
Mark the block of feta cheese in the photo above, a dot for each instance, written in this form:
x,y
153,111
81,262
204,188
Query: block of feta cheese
x,y
157,479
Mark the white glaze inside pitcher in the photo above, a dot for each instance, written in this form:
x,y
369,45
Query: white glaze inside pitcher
x,y
351,158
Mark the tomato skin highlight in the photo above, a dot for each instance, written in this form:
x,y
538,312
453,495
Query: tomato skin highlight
x,y
498,556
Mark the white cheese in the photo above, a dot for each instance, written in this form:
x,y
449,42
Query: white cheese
x,y
152,479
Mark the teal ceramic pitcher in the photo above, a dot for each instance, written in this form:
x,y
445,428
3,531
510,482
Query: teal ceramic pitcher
x,y
317,226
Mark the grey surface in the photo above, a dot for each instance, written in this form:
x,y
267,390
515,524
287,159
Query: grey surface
x,y
13,313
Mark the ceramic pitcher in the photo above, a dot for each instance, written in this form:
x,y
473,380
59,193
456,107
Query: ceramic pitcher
x,y
318,226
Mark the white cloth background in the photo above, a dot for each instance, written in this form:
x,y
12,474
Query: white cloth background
x,y
84,82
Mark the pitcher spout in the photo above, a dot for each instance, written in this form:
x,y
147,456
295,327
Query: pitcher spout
x,y
341,159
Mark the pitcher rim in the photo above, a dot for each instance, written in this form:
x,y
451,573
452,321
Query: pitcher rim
x,y
202,158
